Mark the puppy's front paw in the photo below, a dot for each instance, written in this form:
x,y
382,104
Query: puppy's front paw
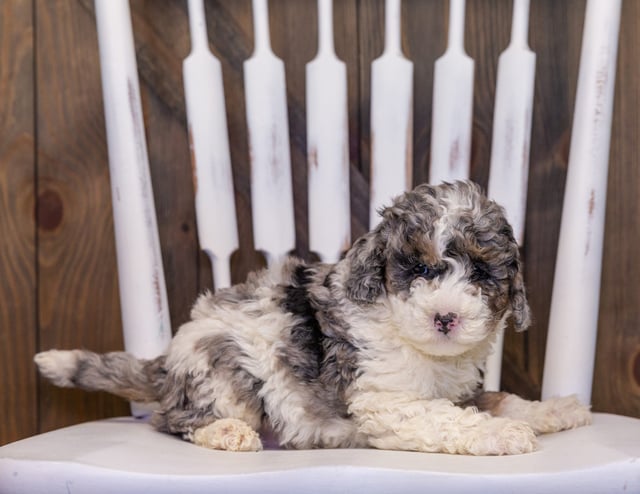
x,y
500,436
229,435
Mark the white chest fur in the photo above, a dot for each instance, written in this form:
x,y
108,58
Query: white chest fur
x,y
401,368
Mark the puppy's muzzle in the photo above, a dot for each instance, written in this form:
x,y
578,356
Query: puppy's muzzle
x,y
447,323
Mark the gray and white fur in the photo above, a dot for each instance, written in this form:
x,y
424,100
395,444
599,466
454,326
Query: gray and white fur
x,y
384,349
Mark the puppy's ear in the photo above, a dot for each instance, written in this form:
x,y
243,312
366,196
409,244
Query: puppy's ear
x,y
366,265
519,306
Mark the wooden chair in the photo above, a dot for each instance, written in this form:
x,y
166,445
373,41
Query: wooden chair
x,y
126,455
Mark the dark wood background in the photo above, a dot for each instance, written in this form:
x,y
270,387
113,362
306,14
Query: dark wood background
x,y
58,280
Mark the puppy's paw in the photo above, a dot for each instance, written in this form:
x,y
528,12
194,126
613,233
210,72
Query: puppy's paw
x,y
558,414
59,366
229,435
500,436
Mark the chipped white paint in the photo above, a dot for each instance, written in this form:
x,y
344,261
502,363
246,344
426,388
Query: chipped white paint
x,y
391,118
210,156
509,173
268,126
452,105
143,297
576,291
327,145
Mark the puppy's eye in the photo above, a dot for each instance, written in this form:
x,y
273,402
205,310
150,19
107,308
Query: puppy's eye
x,y
421,270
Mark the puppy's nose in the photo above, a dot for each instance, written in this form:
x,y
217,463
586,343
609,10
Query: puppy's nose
x,y
446,323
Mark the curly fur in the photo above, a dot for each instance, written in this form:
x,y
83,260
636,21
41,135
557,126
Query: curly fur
x,y
386,348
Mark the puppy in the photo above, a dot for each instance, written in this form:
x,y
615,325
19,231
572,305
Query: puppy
x,y
384,349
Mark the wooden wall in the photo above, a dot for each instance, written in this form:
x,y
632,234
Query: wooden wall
x,y
58,280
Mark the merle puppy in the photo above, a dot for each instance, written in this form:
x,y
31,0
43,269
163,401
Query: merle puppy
x,y
386,348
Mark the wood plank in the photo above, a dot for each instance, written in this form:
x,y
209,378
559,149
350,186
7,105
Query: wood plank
x,y
423,46
77,290
556,75
18,399
161,37
345,23
162,42
370,32
488,30
617,371
230,29
293,27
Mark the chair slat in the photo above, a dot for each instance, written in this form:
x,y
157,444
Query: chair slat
x,y
509,172
143,297
452,105
391,118
327,145
573,320
210,155
267,121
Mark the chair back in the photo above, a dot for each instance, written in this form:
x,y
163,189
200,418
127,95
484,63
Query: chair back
x,y
576,290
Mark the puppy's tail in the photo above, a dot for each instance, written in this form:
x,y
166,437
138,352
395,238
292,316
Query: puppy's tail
x,y
119,373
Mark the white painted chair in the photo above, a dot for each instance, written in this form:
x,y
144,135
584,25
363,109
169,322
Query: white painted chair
x,y
126,455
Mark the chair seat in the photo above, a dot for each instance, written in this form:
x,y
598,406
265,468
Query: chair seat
x,y
127,455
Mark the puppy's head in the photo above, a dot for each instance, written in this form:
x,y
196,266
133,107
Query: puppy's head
x,y
445,261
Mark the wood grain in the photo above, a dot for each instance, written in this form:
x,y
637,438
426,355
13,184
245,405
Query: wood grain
x,y
617,370
162,43
370,41
18,392
546,184
77,285
557,60
230,27
424,40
